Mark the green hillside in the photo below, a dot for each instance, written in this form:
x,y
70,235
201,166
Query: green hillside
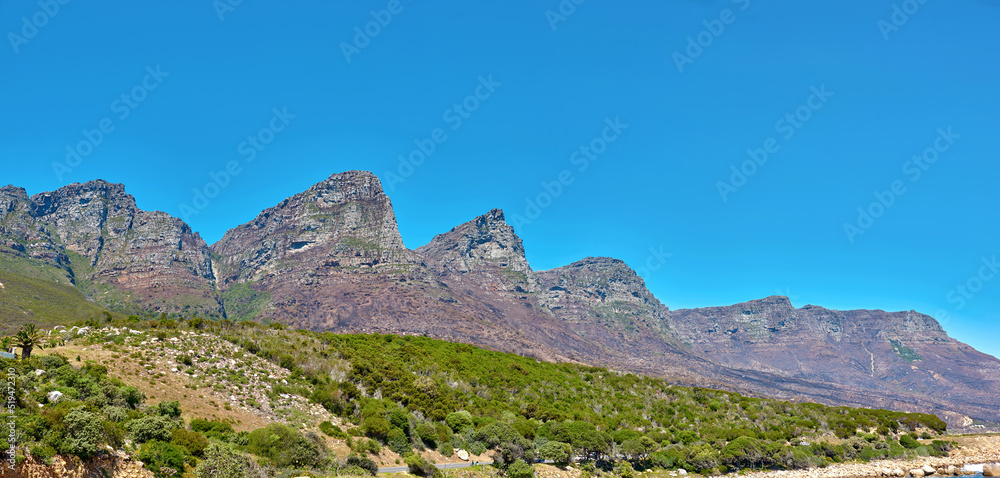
x,y
413,394
41,301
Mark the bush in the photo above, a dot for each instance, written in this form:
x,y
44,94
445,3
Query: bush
x,y
84,432
163,459
908,442
284,446
332,430
397,441
419,466
151,427
169,409
222,462
558,452
194,442
376,427
211,429
362,463
446,449
624,469
459,421
520,469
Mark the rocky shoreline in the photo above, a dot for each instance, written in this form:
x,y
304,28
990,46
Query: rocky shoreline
x,y
970,457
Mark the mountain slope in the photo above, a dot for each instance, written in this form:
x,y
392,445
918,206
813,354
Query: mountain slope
x,y
331,259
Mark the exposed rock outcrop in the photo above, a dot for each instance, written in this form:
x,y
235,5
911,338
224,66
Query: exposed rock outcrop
x,y
96,234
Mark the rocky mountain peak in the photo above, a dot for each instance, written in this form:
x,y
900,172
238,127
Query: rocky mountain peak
x,y
600,279
485,240
343,221
345,187
11,198
486,250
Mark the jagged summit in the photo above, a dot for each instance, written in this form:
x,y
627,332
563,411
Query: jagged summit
x,y
484,251
343,221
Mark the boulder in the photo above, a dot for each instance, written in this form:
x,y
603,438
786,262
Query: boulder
x,y
54,396
682,472
898,472
952,470
917,473
991,470
464,455
928,470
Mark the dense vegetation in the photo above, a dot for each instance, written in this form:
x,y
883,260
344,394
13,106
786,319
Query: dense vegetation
x,y
409,394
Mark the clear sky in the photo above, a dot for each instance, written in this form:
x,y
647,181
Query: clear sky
x,y
664,98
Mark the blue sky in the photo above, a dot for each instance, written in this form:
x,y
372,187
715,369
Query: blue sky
x,y
164,96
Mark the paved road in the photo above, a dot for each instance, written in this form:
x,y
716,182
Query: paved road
x,y
441,466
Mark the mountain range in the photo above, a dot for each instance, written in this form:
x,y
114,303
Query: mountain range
x,y
331,258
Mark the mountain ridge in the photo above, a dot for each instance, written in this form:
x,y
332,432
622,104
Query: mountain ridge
x,y
332,258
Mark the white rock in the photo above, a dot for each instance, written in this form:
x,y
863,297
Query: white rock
x,y
682,472
928,470
462,454
917,473
39,372
54,396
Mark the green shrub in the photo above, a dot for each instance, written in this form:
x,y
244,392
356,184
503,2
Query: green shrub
x,y
194,442
211,429
169,409
284,446
163,459
332,430
419,466
362,463
459,421
222,462
558,452
84,433
151,427
624,469
520,469
908,442
376,427
397,441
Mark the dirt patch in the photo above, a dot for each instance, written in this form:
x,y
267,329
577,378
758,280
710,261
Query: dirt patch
x,y
201,403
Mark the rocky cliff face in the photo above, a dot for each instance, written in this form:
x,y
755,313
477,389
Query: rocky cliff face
x,y
484,252
95,232
345,222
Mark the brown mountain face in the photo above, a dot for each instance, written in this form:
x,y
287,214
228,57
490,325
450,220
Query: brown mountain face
x,y
122,256
898,360
331,258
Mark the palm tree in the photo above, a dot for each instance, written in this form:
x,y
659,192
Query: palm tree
x,y
28,338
